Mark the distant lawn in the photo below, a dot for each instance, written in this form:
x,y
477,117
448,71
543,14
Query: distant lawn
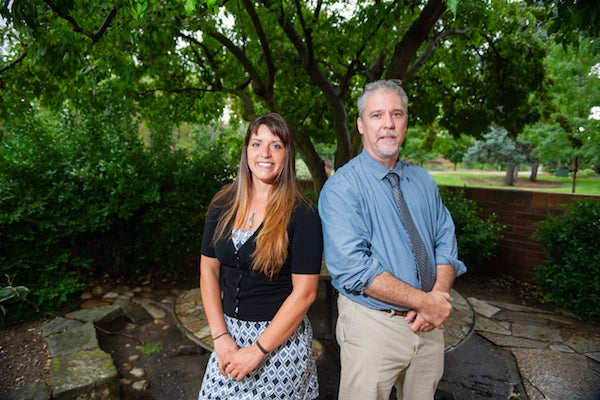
x,y
495,179
544,183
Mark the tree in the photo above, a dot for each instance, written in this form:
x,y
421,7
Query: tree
x,y
454,149
568,135
306,60
497,147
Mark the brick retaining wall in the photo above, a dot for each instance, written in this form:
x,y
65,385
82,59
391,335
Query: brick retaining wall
x,y
520,211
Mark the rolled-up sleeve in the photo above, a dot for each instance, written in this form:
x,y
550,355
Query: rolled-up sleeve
x,y
446,247
346,235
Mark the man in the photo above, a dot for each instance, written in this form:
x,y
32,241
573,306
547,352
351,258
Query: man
x,y
390,327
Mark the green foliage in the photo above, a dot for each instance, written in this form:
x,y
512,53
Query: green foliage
x,y
496,147
79,192
499,68
569,20
478,238
568,135
152,348
11,294
571,275
587,173
465,64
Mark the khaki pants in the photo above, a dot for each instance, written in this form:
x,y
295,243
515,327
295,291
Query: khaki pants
x,y
379,351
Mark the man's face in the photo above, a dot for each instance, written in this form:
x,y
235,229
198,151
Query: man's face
x,y
383,126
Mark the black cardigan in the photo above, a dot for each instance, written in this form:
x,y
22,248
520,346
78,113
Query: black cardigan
x,y
253,296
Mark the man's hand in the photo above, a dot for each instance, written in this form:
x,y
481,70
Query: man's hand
x,y
434,311
417,323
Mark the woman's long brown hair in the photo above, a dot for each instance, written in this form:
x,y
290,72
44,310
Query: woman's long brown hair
x,y
272,241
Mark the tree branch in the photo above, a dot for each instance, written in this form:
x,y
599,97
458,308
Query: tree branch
x,y
429,48
248,5
406,49
15,62
240,91
95,37
239,54
320,79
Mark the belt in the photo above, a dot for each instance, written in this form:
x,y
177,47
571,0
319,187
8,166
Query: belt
x,y
396,313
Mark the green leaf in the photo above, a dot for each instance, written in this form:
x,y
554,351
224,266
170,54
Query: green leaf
x,y
152,348
12,294
190,6
452,5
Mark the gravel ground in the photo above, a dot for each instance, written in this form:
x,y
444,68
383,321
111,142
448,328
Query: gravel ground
x,y
23,355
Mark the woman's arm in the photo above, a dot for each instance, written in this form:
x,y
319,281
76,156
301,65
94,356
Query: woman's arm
x,y
292,311
210,272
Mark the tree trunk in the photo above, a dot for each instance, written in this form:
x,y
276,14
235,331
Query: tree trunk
x,y
509,178
313,162
575,174
340,116
534,172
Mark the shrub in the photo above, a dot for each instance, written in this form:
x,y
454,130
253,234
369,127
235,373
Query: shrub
x,y
570,277
81,194
478,238
587,173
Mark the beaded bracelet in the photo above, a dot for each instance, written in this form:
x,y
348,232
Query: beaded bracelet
x,y
218,336
262,349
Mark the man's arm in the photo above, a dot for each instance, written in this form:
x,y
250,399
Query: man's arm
x,y
434,307
444,278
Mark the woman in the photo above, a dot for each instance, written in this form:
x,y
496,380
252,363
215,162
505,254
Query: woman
x,y
259,272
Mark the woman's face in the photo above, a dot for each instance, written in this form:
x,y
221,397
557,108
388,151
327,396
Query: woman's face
x,y
266,155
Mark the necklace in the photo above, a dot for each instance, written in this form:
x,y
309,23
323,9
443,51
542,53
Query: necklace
x,y
251,220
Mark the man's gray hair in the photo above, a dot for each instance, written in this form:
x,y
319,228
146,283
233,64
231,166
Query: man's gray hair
x,y
390,85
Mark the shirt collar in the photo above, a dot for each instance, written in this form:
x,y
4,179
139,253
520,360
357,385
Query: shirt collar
x,y
379,170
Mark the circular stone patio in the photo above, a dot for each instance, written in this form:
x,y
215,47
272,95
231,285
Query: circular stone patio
x,y
191,319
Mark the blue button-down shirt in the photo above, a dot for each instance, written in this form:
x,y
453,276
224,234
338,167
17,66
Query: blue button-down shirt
x,y
363,231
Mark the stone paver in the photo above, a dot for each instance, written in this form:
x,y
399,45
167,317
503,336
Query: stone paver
x,y
555,359
558,375
483,308
584,343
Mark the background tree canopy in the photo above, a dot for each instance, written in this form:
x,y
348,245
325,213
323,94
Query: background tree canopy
x,y
167,62
112,139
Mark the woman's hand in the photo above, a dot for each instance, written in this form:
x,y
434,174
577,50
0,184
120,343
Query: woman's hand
x,y
225,347
243,361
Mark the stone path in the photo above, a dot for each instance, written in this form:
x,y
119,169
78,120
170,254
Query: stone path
x,y
555,354
558,357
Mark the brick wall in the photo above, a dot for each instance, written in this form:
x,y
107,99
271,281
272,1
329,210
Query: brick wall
x,y
520,211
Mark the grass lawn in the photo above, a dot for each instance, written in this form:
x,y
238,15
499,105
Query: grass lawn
x,y
492,179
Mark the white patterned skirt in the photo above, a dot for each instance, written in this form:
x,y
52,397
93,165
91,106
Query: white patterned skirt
x,y
287,373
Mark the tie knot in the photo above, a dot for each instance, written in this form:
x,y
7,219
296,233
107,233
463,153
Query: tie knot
x,y
393,178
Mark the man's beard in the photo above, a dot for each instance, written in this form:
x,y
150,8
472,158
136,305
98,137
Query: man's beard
x,y
387,151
